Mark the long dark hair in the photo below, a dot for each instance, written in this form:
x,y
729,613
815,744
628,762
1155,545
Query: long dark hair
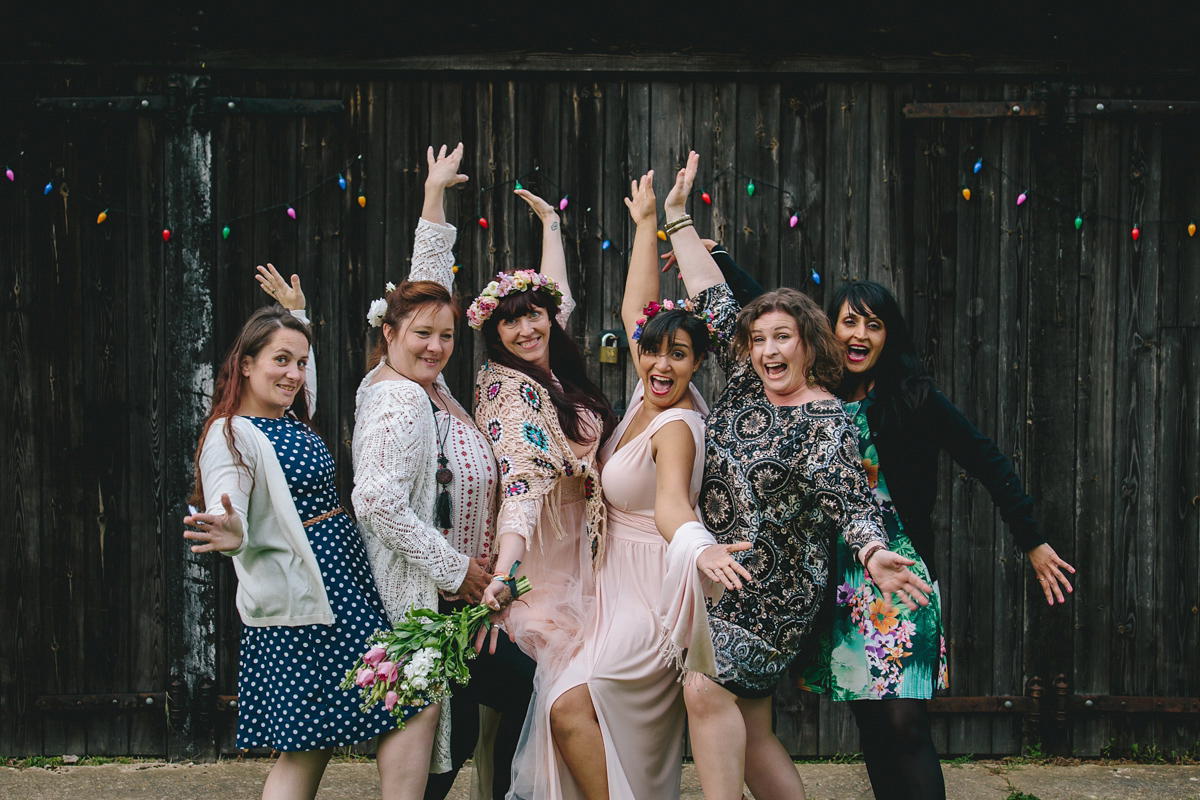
x,y
566,362
901,382
227,394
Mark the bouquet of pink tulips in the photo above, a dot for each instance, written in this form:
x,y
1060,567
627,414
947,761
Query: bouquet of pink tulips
x,y
413,664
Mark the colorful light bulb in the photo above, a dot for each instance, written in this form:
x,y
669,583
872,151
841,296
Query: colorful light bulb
x,y
1021,198
454,269
1078,221
483,223
707,198
607,244
750,188
48,188
562,204
978,166
225,232
341,181
794,221
1191,229
362,200
103,215
966,193
166,234
8,173
816,277
517,185
662,234
1135,233
291,212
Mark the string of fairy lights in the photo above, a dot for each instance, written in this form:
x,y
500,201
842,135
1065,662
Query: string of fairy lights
x,y
343,179
980,166
353,176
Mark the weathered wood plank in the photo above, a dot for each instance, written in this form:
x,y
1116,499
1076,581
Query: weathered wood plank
x,y
1012,284
1047,437
1095,397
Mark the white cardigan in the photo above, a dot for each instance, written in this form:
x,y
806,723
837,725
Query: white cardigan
x,y
395,461
279,579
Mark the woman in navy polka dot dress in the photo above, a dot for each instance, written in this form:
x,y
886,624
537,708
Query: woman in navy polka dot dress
x,y
305,590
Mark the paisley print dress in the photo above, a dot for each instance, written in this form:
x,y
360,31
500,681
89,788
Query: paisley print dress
x,y
788,479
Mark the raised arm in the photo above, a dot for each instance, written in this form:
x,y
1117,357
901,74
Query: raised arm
x,y
290,296
443,173
696,265
554,258
641,283
433,242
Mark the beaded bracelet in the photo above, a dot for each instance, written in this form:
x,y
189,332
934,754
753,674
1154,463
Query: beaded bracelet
x,y
678,224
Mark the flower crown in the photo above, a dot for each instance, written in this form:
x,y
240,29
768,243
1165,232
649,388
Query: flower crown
x,y
715,339
379,307
523,280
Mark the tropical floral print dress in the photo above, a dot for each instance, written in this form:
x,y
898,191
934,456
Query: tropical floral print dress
x,y
873,652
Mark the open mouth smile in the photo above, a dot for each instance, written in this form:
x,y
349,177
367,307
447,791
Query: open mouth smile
x,y
857,353
775,369
660,386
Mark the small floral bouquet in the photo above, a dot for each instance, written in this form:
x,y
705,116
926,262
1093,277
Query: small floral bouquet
x,y
412,664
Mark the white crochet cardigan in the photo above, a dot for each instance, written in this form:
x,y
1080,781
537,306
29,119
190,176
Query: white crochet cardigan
x,y
395,460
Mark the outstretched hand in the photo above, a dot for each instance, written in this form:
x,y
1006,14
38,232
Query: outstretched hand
x,y
547,213
1049,567
219,532
443,168
641,201
675,205
287,295
891,573
717,564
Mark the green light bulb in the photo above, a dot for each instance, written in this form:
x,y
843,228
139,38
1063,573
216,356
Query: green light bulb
x,y
225,232
750,188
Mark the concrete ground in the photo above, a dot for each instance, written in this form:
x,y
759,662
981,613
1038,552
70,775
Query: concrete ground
x,y
233,779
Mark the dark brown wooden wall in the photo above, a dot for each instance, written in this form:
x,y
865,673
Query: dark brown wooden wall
x,y
1078,351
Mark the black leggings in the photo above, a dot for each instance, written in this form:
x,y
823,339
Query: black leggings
x,y
898,748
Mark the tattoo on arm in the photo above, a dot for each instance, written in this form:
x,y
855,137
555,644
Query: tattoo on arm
x,y
554,225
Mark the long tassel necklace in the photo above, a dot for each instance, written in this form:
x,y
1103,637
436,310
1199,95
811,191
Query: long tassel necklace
x,y
443,507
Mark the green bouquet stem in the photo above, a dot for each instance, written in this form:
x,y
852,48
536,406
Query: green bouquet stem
x,y
421,656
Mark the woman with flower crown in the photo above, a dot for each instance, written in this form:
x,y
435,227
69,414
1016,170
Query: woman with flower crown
x,y
616,711
546,422
424,483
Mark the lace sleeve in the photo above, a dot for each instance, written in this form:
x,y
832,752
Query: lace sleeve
x,y
564,310
519,515
433,256
719,300
387,456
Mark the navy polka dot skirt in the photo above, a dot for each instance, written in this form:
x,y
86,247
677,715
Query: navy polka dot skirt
x,y
288,695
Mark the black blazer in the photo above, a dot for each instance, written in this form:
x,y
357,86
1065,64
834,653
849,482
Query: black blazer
x,y
908,459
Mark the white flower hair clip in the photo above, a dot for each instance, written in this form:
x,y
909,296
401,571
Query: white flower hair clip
x,y
379,306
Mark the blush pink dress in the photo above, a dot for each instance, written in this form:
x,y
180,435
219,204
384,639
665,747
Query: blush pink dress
x,y
634,688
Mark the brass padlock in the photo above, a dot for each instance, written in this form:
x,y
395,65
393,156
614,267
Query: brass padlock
x,y
608,348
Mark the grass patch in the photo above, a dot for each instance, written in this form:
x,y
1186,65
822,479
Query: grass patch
x,y
958,762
